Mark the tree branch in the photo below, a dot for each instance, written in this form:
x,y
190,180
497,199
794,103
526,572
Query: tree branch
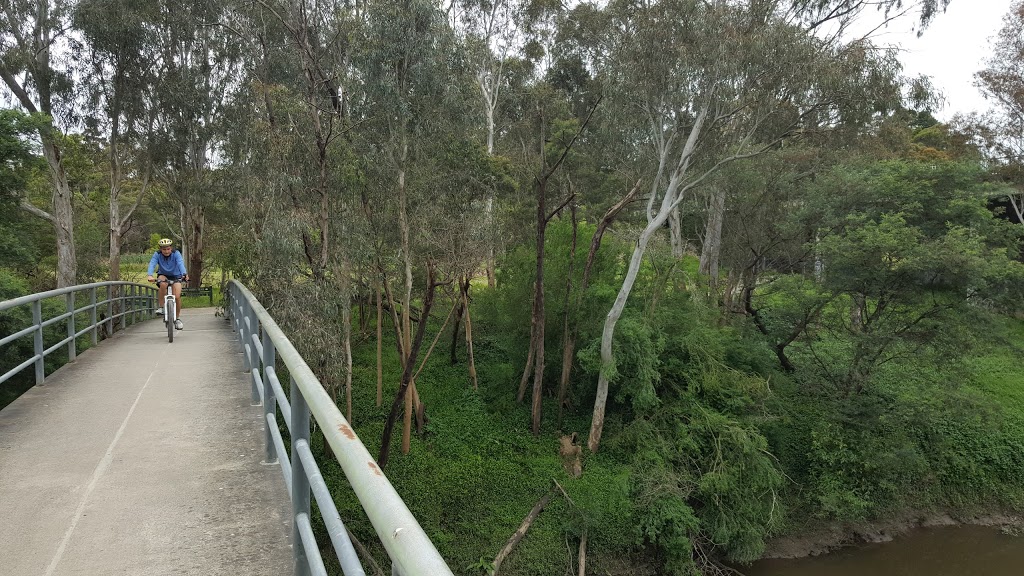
x,y
575,137
29,207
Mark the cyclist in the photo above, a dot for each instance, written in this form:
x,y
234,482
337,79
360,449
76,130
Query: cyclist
x,y
169,265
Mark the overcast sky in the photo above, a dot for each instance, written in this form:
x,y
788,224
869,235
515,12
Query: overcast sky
x,y
951,49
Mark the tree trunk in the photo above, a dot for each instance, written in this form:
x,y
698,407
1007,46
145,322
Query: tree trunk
x,y
675,230
115,205
538,311
528,369
380,347
115,253
710,253
455,328
569,347
607,359
490,96
407,371
857,305
567,339
403,223
469,332
346,328
521,531
583,554
669,201
63,213
197,217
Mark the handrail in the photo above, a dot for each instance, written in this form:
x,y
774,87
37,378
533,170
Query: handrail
x,y
411,551
133,296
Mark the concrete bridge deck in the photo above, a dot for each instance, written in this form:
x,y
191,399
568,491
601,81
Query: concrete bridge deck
x,y
142,458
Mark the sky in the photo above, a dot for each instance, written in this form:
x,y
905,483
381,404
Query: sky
x,y
951,49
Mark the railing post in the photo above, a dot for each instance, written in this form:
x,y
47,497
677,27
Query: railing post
x,y
236,312
37,318
254,354
240,316
300,483
108,326
269,399
92,315
244,337
242,304
233,311
122,307
70,299
132,304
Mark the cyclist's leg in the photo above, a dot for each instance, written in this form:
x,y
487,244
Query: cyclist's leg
x,y
162,283
177,299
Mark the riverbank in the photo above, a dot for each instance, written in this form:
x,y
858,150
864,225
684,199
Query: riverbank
x,y
824,539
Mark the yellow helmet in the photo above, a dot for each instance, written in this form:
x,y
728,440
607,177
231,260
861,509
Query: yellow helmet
x,y
165,242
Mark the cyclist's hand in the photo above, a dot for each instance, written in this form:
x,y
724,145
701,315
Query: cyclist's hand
x,y
187,278
151,279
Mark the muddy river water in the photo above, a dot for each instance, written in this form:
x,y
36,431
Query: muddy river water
x,y
947,551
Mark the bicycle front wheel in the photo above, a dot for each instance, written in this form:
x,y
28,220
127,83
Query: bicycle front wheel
x,y
169,316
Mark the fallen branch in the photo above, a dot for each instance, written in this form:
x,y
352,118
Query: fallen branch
x,y
521,532
434,343
564,493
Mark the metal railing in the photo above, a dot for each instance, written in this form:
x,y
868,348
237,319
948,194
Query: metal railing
x,y
262,343
134,299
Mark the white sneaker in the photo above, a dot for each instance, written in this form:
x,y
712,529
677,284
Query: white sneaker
x,y
179,325
159,311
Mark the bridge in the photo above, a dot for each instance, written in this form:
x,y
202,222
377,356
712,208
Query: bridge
x,y
142,457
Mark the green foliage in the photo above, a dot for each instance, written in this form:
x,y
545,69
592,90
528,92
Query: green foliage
x,y
907,251
18,251
508,319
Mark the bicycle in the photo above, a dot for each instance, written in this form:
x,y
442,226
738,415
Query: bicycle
x,y
170,306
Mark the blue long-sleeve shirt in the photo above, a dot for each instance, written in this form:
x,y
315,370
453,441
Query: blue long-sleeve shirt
x,y
173,265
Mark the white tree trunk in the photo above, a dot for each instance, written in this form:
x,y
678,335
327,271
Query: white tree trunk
x,y
669,202
607,359
490,96
675,229
712,249
63,216
1017,201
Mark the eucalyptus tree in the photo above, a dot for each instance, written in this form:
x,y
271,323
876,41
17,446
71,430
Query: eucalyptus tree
x,y
299,156
548,126
413,77
317,37
34,65
710,83
196,66
556,136
118,75
827,17
489,32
